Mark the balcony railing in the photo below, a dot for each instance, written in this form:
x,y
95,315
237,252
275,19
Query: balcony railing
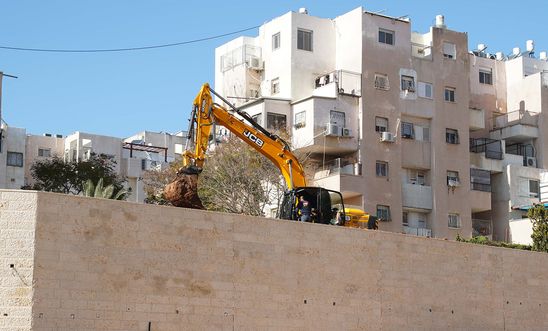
x,y
338,166
421,232
347,82
491,147
514,118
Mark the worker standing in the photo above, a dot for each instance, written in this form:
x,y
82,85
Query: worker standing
x,y
304,210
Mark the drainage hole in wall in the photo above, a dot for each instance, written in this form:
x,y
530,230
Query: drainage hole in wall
x,y
333,303
520,303
452,311
507,302
12,265
176,311
5,315
430,309
305,301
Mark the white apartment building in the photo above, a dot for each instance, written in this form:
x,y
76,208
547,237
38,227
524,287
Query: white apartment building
x,y
388,116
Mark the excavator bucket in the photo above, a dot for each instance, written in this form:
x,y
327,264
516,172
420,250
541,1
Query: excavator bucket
x,y
183,191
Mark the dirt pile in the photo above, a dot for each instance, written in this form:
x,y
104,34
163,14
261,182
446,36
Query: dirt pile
x,y
183,192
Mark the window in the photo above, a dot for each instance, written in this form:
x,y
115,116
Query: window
x,y
386,37
407,130
405,218
486,76
453,221
15,159
337,118
425,90
383,213
480,180
44,152
304,40
276,41
258,118
407,83
449,50
449,94
453,178
534,188
381,169
275,86
275,121
421,133
381,124
381,82
143,164
452,136
416,177
300,119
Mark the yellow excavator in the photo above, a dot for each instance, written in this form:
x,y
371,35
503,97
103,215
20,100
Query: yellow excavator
x,y
325,206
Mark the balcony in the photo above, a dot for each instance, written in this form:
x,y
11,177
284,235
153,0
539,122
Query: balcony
x,y
486,154
341,176
415,154
421,232
338,82
477,119
516,126
482,228
417,196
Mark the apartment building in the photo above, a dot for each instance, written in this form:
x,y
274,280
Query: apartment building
x,y
141,152
400,122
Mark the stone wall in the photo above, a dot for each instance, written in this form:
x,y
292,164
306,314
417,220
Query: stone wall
x,y
17,229
109,265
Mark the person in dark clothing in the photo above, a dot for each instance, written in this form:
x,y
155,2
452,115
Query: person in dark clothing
x,y
304,210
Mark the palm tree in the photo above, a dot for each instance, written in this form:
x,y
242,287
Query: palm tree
x,y
98,191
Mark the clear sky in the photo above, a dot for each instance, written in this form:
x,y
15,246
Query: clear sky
x,y
119,94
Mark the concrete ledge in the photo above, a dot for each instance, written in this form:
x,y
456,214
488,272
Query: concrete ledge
x,y
95,264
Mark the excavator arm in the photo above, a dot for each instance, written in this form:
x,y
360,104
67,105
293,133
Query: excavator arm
x,y
205,113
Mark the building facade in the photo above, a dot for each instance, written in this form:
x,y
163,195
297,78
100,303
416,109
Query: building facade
x,y
412,127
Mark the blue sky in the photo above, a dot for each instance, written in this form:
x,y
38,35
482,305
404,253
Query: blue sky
x,y
119,94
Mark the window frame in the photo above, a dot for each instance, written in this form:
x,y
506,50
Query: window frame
x,y
405,125
486,73
379,78
42,150
301,43
453,175
423,95
533,194
19,159
384,210
455,216
407,83
452,55
405,218
337,112
452,136
280,127
449,94
381,169
275,86
379,127
258,118
276,41
381,36
300,123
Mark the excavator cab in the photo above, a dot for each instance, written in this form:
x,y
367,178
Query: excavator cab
x,y
326,206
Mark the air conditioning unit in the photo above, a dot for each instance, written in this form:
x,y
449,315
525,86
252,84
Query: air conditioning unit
x,y
332,130
531,161
346,132
387,137
255,63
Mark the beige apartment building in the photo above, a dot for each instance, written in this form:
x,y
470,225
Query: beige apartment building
x,y
435,139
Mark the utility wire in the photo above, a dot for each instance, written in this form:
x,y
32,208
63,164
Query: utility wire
x,y
129,49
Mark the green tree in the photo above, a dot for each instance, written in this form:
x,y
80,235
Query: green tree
x,y
100,191
539,216
56,175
